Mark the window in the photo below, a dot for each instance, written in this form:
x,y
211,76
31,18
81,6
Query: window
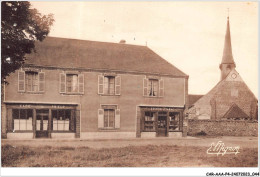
x,y
109,118
149,121
174,118
153,87
22,119
71,83
31,81
63,120
109,85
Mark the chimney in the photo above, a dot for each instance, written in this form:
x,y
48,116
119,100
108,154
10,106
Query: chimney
x,y
122,41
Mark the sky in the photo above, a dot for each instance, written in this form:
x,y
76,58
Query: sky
x,y
189,35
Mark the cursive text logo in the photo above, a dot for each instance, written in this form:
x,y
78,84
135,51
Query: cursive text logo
x,y
220,148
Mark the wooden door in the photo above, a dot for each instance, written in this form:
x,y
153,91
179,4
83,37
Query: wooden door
x,y
162,124
42,122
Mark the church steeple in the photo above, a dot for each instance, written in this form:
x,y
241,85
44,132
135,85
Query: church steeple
x,y
227,63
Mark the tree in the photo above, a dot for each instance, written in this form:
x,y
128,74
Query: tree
x,y
21,26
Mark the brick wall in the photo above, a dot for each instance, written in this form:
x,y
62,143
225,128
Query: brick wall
x,y
223,127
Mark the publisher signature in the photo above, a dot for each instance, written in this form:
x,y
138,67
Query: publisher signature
x,y
220,148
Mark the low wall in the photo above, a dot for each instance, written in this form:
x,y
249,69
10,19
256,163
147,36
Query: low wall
x,y
19,135
107,135
63,135
223,127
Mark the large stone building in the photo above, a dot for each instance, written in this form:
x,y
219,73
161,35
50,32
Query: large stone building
x,y
230,98
74,88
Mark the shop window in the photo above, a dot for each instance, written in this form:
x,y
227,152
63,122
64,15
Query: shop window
x,y
174,121
22,119
149,121
63,120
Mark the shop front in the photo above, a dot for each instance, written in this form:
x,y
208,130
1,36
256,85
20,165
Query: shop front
x,y
161,121
42,120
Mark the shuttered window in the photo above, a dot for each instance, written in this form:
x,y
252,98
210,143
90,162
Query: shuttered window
x,y
153,87
71,83
109,118
31,81
109,85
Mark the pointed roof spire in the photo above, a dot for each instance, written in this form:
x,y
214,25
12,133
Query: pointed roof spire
x,y
227,52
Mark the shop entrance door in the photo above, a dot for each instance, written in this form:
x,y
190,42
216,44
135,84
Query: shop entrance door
x,y
42,118
162,124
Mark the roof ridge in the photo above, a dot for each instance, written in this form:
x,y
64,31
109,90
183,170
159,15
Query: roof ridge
x,y
76,39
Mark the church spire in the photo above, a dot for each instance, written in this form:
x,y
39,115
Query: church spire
x,y
227,63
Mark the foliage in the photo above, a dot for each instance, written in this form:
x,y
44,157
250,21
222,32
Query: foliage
x,y
21,26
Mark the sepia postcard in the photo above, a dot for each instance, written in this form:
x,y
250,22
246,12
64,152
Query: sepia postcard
x,y
129,84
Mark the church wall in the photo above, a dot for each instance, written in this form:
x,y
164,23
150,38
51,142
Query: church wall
x,y
223,127
218,101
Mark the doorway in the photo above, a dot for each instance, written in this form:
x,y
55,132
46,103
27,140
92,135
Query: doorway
x,y
42,120
162,124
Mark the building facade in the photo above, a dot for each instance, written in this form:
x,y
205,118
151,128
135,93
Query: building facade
x,y
230,99
84,89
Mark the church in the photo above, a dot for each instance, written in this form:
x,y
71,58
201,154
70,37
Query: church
x,y
230,99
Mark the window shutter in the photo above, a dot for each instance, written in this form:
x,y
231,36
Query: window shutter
x,y
101,118
41,81
145,87
161,88
81,83
21,81
77,122
117,118
100,84
62,83
118,85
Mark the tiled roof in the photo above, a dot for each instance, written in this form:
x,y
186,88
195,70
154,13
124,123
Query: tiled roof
x,y
194,98
72,53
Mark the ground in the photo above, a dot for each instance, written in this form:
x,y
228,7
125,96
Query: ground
x,y
156,152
